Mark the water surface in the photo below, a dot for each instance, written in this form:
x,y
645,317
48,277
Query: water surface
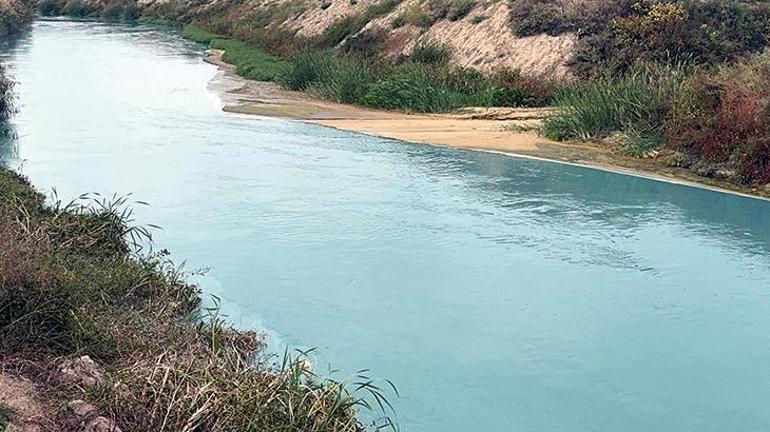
x,y
499,294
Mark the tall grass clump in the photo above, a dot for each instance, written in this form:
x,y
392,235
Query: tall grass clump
x,y
430,52
634,105
419,87
304,69
342,79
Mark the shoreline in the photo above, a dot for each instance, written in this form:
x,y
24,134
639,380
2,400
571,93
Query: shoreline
x,y
486,130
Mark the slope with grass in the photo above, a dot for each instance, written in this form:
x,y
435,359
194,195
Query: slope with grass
x,y
76,283
621,74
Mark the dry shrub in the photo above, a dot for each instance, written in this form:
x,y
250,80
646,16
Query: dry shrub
x,y
723,117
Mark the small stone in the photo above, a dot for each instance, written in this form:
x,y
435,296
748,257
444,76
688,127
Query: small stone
x,y
81,409
101,424
82,371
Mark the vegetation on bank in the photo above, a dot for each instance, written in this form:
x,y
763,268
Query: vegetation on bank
x,y
614,35
13,15
114,10
640,65
74,282
422,82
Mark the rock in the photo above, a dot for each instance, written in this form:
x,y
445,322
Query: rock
x,y
101,424
81,371
81,409
84,417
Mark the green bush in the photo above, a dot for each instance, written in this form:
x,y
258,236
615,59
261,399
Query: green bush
x,y
381,8
341,29
512,89
121,11
458,9
51,7
78,9
431,52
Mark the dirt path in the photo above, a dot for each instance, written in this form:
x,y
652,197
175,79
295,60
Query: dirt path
x,y
476,129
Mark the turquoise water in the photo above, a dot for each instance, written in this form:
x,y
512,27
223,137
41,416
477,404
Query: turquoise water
x,y
499,294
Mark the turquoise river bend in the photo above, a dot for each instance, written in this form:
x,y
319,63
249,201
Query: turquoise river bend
x,y
499,294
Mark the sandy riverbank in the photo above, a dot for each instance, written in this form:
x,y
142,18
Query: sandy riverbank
x,y
477,129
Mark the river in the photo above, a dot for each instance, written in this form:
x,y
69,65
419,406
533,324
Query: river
x,y
499,294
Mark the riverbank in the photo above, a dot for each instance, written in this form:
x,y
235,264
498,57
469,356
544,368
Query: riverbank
x,y
504,130
97,334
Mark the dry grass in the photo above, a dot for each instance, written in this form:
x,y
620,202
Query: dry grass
x,y
74,281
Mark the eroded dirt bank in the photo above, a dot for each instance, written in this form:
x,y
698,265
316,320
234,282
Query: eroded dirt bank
x,y
492,129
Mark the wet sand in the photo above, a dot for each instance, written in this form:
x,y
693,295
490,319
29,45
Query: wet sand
x,y
495,130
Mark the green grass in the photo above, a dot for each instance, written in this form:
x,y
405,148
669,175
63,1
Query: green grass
x,y
249,60
6,413
200,35
634,105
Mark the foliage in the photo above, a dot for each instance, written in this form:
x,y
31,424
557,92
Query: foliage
x,y
5,416
342,79
341,29
7,107
428,88
250,62
723,117
126,10
634,105
458,9
430,52
516,90
200,35
13,14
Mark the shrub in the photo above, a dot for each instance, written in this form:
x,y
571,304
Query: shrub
x,y
723,117
7,106
366,44
458,9
381,8
515,90
615,37
121,11
341,29
531,17
50,7
430,52
78,9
